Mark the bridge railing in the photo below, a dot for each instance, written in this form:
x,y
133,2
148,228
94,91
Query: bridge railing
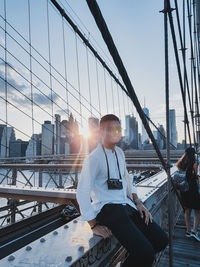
x,y
74,243
52,175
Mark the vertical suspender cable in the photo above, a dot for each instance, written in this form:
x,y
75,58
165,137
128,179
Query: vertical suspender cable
x,y
129,113
105,89
168,133
49,48
65,64
98,85
196,78
78,73
189,7
6,85
124,104
119,102
89,86
112,94
184,71
31,81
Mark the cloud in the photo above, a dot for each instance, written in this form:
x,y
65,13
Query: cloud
x,y
63,112
12,78
22,101
43,100
2,41
13,84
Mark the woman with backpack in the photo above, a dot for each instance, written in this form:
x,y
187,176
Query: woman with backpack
x,y
190,198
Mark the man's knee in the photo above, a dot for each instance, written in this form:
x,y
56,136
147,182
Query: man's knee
x,y
146,258
163,242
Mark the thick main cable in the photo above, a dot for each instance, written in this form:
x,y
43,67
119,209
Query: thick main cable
x,y
94,8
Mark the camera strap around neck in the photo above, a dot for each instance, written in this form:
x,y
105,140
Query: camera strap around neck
x,y
108,170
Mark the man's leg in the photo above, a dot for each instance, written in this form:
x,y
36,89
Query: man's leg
x,y
153,232
117,219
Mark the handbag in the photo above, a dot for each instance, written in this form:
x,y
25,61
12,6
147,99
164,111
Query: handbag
x,y
180,181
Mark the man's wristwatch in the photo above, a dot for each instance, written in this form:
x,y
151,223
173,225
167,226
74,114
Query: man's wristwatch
x,y
138,200
92,227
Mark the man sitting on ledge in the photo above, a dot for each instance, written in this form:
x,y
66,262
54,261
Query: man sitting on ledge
x,y
116,208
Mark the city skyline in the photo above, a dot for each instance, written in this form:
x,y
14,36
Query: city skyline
x,y
64,137
130,48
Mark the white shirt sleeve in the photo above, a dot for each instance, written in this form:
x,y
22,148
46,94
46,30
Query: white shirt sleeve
x,y
85,184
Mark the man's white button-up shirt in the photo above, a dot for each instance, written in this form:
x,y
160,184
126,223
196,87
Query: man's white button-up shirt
x,y
92,184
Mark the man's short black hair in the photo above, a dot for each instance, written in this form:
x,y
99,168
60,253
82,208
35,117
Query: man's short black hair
x,y
109,117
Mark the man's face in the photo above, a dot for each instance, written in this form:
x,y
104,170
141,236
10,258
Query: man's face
x,y
111,132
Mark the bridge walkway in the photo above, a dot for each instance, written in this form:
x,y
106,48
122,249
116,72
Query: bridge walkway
x,y
186,251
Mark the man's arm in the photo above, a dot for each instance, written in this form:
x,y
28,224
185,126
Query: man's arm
x,y
85,184
138,202
142,209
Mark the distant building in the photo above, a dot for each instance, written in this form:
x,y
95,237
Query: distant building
x,y
139,141
161,140
145,137
65,138
132,132
94,137
34,146
47,146
75,140
181,146
172,127
57,134
2,126
159,136
17,148
7,136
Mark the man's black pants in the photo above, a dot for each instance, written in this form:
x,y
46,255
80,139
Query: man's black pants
x,y
141,241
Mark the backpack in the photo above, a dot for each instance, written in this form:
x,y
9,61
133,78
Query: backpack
x,y
180,181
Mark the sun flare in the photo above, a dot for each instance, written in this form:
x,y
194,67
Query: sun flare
x,y
85,132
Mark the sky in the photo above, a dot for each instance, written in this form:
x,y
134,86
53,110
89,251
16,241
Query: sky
x,y
137,30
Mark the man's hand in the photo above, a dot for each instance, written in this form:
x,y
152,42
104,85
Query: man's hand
x,y
144,212
101,230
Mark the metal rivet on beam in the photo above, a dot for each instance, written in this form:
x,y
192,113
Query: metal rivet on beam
x,y
28,248
11,258
69,258
81,248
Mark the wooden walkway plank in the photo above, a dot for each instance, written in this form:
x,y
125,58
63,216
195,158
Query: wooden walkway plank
x,y
186,250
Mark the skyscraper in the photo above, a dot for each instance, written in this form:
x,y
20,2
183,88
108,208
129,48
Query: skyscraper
x,y
2,126
145,137
34,146
47,138
161,139
132,132
65,137
7,136
172,127
17,148
57,134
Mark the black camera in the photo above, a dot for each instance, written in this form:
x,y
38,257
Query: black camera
x,y
114,184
